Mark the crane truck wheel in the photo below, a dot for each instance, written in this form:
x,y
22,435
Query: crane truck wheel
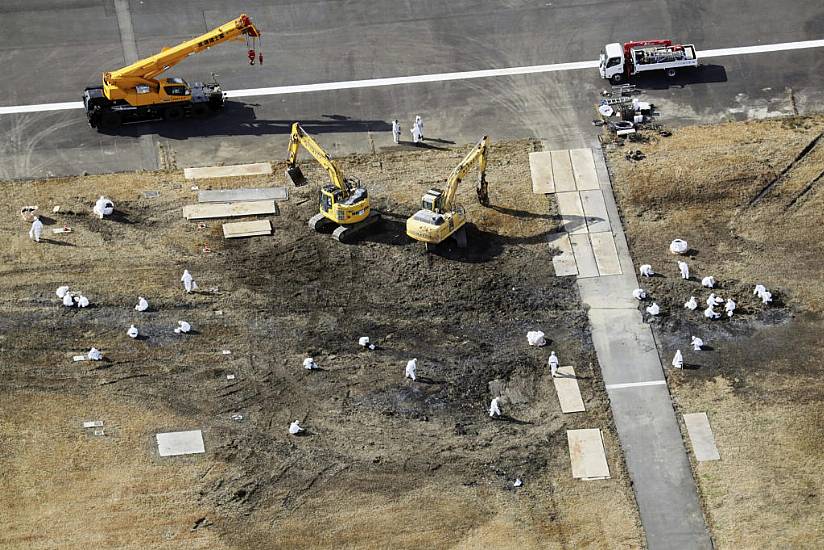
x,y
671,73
616,78
173,113
110,120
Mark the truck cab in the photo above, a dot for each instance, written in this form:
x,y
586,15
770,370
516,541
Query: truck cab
x,y
611,63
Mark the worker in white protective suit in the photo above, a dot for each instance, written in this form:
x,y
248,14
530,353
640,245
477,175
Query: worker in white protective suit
x,y
416,134
697,343
708,281
684,269
729,307
309,364
654,309
183,327
766,297
363,341
419,124
396,131
61,291
94,354
103,207
142,304
495,407
691,304
639,294
132,332
646,270
553,364
294,428
411,367
82,301
678,360
759,289
714,300
188,282
36,230
68,300
710,313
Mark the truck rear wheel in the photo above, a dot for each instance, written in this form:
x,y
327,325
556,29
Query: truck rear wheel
x,y
173,113
616,78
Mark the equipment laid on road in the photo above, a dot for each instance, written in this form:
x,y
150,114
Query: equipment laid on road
x,y
134,93
620,61
439,217
344,202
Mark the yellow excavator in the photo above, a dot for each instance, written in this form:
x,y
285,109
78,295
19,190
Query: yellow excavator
x,y
134,93
343,202
439,217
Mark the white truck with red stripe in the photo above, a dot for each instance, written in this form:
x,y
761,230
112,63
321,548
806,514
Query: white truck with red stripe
x,y
618,62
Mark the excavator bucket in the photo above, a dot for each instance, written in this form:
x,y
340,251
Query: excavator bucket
x,y
295,175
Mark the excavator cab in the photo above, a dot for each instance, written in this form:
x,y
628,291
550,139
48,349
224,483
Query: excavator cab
x,y
433,200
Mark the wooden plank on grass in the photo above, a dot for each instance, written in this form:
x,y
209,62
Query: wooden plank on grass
x,y
540,167
703,442
259,168
583,166
243,195
569,395
255,228
228,210
564,263
562,171
586,453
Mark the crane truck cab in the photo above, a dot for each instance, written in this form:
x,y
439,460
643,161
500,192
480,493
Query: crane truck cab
x,y
618,62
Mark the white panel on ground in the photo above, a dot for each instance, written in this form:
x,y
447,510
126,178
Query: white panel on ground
x,y
562,171
572,212
583,166
243,195
259,168
247,229
228,210
540,166
180,443
606,255
564,263
584,258
586,453
703,442
595,211
569,395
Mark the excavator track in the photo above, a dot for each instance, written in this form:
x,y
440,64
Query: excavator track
x,y
349,233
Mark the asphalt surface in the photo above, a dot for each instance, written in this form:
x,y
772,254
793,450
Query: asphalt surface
x,y
51,50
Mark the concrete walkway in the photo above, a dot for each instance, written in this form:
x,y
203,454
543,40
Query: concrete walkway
x,y
650,438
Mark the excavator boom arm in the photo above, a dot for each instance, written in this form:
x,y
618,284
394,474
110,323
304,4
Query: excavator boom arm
x,y
478,153
298,138
150,67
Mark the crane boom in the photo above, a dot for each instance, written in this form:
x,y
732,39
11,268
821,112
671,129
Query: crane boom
x,y
459,172
299,137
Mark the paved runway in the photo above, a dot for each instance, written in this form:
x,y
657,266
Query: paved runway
x,y
323,41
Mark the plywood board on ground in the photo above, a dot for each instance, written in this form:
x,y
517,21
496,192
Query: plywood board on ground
x,y
703,442
572,212
540,166
566,386
564,263
562,171
227,171
255,228
586,453
606,255
584,258
243,195
228,210
595,211
583,166
180,443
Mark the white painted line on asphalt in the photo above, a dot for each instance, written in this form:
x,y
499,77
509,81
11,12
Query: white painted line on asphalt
x,y
438,77
636,384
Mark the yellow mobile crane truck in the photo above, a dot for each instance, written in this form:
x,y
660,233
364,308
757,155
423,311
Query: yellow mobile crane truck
x,y
134,93
439,217
343,202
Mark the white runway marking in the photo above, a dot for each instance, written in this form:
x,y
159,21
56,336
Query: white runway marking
x,y
635,384
438,77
